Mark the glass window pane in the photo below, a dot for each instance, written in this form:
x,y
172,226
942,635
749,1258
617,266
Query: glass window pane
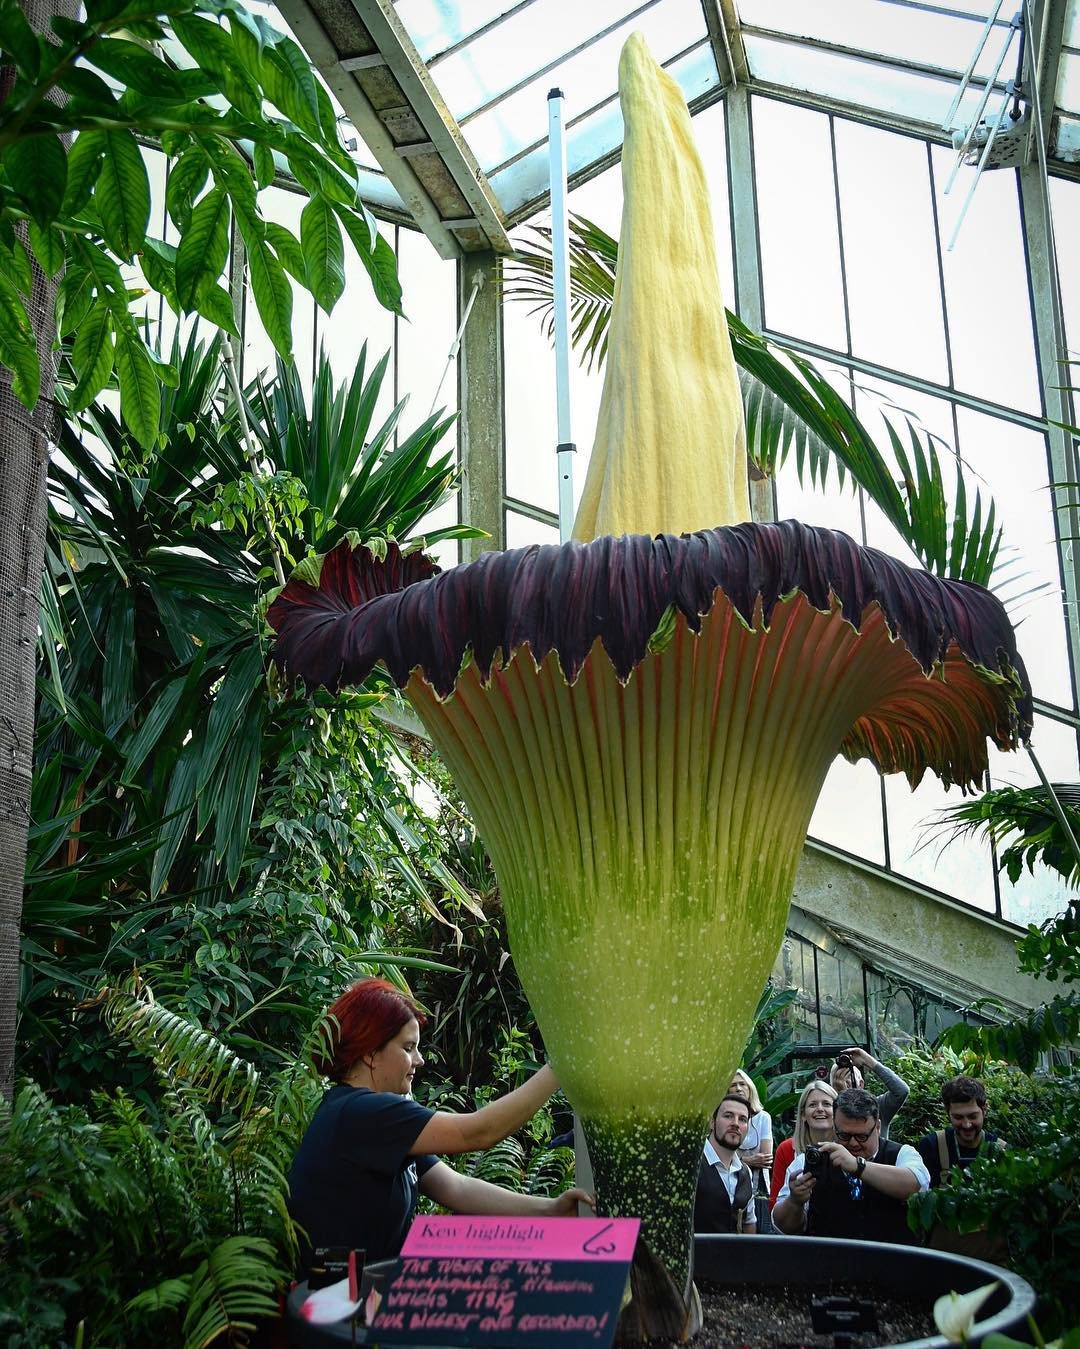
x,y
428,286
523,530
856,81
599,132
908,32
358,317
423,345
800,250
848,812
986,290
523,44
1066,141
1011,460
586,78
887,215
435,25
876,400
1068,87
529,373
1065,204
1036,895
917,850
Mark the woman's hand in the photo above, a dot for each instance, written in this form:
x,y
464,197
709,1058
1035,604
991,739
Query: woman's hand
x,y
566,1204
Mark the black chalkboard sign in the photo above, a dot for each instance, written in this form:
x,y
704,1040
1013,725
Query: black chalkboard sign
x,y
449,1300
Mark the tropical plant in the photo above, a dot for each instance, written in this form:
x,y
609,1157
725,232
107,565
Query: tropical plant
x,y
120,1224
186,809
1022,1105
230,99
771,1041
230,102
1024,825
791,407
1031,1197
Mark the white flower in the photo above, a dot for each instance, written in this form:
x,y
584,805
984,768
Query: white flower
x,y
954,1314
328,1304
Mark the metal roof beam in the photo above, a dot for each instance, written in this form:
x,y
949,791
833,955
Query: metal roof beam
x,y
341,78
725,35
403,61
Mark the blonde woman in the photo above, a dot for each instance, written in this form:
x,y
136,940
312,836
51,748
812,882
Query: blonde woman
x,y
756,1149
813,1124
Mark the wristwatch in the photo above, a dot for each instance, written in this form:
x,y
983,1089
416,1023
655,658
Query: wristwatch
x,y
860,1166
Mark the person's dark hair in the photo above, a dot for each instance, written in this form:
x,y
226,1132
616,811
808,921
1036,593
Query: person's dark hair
x,y
364,1018
856,1103
962,1088
737,1100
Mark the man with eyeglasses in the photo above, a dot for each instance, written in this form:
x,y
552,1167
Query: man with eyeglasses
x,y
858,1186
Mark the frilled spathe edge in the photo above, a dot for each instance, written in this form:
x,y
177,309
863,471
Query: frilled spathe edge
x,y
564,598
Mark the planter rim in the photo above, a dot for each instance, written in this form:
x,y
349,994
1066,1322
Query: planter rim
x,y
1021,1295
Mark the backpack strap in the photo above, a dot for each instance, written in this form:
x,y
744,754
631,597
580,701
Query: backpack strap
x,y
943,1151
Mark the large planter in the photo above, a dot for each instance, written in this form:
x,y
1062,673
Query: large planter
x,y
798,1262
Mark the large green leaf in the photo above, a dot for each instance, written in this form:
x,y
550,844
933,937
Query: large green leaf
x,y
378,259
18,350
140,391
324,252
136,66
92,356
187,176
203,248
19,39
272,292
36,169
83,167
122,194
48,246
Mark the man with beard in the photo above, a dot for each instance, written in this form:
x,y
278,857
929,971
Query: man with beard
x,y
725,1188
963,1139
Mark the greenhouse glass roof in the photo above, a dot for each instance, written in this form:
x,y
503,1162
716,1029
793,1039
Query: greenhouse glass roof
x,y
449,97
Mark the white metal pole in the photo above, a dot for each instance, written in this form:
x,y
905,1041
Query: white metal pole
x,y
560,273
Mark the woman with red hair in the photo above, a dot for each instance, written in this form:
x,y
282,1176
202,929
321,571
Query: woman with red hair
x,y
370,1147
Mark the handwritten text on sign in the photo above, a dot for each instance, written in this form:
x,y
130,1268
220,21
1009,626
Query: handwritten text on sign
x,y
542,1238
508,1302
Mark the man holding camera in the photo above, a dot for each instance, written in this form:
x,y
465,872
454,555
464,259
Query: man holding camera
x,y
858,1186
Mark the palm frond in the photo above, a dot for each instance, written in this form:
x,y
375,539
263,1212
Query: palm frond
x,y
1023,826
790,408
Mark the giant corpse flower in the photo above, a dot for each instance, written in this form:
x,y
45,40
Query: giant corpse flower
x,y
641,723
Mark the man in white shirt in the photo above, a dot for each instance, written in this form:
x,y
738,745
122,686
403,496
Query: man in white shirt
x,y
858,1186
725,1189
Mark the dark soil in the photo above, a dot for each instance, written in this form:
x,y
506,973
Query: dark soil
x,y
779,1318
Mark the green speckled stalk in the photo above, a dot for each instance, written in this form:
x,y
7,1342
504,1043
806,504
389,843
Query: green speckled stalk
x,y
645,836
647,1169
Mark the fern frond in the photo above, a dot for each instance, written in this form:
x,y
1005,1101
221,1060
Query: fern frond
x,y
234,1287
180,1048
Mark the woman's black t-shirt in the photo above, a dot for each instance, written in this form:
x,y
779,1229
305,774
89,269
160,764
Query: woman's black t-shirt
x,y
352,1181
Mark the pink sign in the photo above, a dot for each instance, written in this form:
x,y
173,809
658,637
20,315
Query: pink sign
x,y
528,1238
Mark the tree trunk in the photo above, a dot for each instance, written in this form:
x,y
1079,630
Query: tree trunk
x,y
24,450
